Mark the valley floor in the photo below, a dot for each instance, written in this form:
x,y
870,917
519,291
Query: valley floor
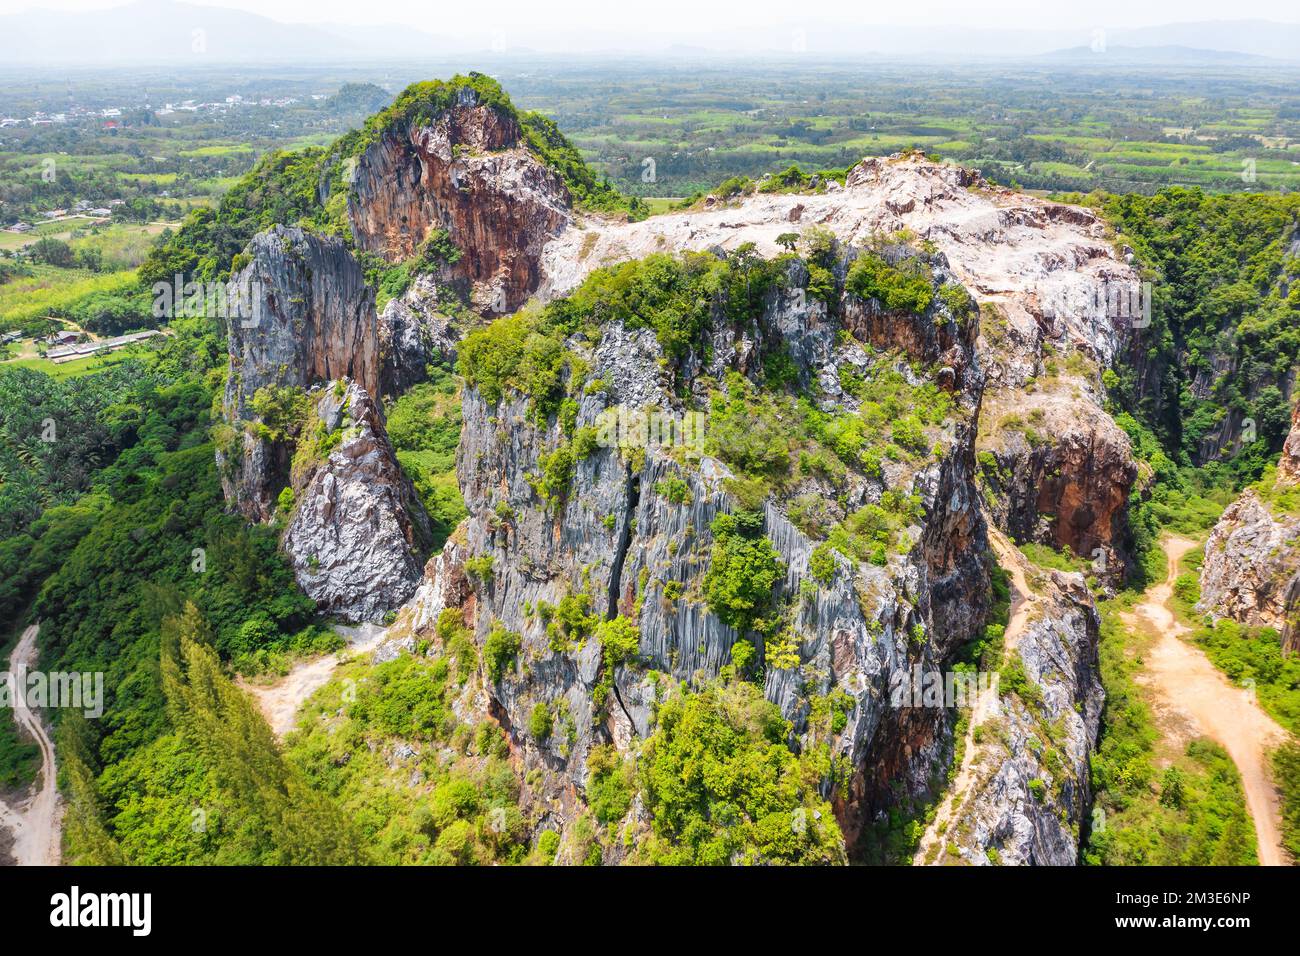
x,y
1192,698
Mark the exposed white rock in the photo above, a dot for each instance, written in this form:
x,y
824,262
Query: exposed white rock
x,y
356,531
1027,254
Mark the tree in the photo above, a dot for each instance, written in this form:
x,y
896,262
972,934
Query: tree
x,y
723,787
221,723
744,571
53,252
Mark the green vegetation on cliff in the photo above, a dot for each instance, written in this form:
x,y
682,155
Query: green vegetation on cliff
x,y
1225,309
722,787
311,187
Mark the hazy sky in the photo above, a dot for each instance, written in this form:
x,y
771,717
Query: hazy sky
x,y
652,16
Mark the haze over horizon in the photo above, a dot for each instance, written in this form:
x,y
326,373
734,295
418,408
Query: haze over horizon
x,y
691,17
97,32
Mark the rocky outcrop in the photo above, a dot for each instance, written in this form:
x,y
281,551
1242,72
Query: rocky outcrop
x,y
415,331
1058,470
617,542
1252,558
467,172
305,316
1024,793
357,534
304,436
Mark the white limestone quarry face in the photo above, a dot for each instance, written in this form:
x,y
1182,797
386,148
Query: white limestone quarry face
x,y
1031,257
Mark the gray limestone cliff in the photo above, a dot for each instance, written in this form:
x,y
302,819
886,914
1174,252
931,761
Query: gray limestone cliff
x,y
302,433
628,535
357,533
629,549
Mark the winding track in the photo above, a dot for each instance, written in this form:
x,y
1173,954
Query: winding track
x,y
36,824
1194,696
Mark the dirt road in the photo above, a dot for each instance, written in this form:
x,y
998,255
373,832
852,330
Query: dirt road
x,y
1022,600
280,701
35,823
1193,698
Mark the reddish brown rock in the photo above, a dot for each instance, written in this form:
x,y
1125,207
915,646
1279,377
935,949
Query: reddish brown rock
x,y
1288,466
309,319
470,174
1251,571
1063,474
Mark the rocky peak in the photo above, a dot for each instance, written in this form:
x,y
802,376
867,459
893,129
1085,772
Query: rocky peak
x,y
307,317
465,170
304,438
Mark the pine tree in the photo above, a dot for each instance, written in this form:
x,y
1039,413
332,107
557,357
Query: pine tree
x,y
302,825
86,839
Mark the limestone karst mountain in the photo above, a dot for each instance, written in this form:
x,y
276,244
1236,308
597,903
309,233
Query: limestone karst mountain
x,y
592,568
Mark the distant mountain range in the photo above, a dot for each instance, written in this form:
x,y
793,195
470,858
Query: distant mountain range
x,y
1155,56
165,31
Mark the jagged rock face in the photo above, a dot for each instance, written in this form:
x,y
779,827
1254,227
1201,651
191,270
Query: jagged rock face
x,y
1288,466
1225,435
616,537
1252,562
1047,281
1029,255
1029,787
1251,571
358,534
1063,474
414,332
311,319
470,174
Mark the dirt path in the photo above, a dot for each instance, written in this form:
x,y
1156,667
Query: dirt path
x,y
1193,698
280,701
1022,601
35,824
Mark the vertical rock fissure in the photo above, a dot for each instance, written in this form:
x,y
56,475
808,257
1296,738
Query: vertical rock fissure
x,y
624,543
616,570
